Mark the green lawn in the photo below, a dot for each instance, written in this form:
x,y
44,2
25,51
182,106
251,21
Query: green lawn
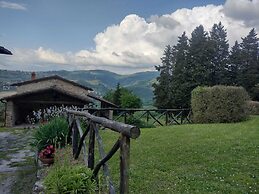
x,y
197,158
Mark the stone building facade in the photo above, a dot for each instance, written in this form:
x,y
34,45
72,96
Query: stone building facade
x,y
44,92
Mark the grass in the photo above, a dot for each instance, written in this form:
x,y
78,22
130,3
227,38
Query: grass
x,y
196,158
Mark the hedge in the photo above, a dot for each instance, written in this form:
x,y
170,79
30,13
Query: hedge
x,y
253,107
219,104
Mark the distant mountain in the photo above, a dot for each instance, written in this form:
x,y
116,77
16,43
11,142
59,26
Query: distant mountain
x,y
99,80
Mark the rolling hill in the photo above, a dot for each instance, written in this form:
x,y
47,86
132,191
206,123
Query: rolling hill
x,y
101,81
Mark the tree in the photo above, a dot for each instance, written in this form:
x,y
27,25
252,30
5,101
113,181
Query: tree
x,y
220,46
250,63
129,100
205,60
109,96
162,88
180,75
235,61
117,95
123,98
199,64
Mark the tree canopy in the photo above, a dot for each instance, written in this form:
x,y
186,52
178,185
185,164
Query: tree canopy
x,y
123,97
204,59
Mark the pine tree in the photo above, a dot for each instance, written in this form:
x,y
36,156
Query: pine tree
x,y
117,95
220,46
250,63
180,97
162,88
200,53
234,67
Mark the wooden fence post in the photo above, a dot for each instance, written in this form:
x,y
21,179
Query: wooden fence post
x,y
125,117
91,147
124,164
166,118
74,138
181,117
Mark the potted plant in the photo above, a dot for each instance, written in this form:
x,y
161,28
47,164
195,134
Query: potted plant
x,y
46,155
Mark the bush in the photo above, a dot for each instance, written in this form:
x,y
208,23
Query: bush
x,y
253,107
219,104
69,179
53,133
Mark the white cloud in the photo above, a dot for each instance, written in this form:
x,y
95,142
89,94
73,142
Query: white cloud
x,y
10,5
136,43
243,10
50,56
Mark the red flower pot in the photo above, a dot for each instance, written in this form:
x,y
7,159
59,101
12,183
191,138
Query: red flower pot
x,y
47,161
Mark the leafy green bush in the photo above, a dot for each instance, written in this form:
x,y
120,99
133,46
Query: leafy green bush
x,y
72,179
123,97
53,133
253,107
219,104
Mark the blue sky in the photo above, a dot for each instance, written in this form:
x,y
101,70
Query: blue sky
x,y
66,25
82,34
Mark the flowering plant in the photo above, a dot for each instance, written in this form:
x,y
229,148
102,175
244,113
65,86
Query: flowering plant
x,y
48,152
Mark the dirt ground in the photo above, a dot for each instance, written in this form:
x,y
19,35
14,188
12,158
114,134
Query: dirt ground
x,y
17,164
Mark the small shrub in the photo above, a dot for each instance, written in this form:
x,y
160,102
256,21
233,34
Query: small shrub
x,y
74,179
253,107
53,133
219,104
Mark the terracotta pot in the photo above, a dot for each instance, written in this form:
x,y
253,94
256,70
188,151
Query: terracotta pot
x,y
47,161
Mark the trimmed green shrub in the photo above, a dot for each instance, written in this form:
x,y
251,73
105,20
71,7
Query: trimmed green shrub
x,y
219,104
74,179
52,133
253,107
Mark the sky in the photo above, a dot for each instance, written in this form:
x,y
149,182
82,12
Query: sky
x,y
123,36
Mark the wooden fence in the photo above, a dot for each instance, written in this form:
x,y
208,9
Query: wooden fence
x,y
162,117
92,131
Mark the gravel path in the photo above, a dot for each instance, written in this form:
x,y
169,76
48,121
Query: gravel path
x,y
17,168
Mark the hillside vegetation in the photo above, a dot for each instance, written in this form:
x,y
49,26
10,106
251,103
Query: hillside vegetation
x,y
101,81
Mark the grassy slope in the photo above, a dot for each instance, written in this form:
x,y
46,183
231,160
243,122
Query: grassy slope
x,y
204,158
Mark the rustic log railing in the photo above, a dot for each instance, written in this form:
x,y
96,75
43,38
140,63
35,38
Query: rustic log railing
x,y
92,131
162,117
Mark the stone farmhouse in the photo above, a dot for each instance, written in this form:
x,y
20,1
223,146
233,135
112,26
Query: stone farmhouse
x,y
45,92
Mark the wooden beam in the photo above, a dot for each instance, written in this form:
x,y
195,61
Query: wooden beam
x,y
128,130
156,120
49,102
74,138
136,110
124,164
82,140
91,148
114,149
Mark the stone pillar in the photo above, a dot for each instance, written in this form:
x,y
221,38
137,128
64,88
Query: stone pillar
x,y
111,114
10,116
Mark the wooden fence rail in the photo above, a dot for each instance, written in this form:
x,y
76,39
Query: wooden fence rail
x,y
126,131
162,117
